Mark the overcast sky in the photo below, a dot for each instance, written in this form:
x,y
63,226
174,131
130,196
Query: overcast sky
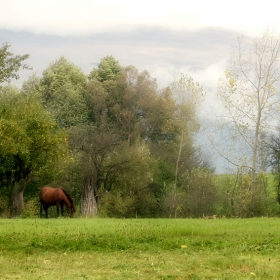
x,y
165,37
80,17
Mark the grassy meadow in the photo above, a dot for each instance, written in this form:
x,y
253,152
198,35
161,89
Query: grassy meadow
x,y
140,248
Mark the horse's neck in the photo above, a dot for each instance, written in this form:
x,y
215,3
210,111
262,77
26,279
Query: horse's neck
x,y
67,203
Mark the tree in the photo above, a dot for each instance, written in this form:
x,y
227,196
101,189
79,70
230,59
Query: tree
x,y
188,95
62,88
249,94
108,70
274,158
123,116
29,139
129,113
10,64
274,152
31,86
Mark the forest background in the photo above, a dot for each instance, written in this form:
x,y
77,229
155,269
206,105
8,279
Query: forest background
x,y
125,148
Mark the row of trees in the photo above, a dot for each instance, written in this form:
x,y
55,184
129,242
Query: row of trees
x,y
113,138
124,147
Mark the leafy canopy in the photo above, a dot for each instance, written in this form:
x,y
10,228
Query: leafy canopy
x,y
29,137
62,87
108,70
10,64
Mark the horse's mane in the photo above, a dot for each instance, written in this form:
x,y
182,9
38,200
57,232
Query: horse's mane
x,y
69,197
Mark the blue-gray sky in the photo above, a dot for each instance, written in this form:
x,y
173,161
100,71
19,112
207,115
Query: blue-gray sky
x,y
165,37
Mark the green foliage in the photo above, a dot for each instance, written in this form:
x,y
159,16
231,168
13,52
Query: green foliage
x,y
62,72
116,204
233,197
31,208
127,113
28,134
188,96
3,201
32,86
10,64
62,87
108,70
129,193
194,196
273,153
132,144
29,140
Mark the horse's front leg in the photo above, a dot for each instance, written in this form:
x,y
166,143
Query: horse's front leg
x,y
62,209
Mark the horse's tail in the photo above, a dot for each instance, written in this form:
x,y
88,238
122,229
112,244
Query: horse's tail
x,y
69,198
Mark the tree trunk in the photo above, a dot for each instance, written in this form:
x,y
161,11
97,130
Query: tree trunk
x,y
255,156
88,203
173,202
16,202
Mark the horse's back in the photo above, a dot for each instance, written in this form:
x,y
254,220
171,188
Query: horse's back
x,y
49,194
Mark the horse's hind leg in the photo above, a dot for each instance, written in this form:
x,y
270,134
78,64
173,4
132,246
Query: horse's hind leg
x,y
41,210
46,210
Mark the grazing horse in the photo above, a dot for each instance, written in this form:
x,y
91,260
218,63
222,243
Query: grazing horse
x,y
56,196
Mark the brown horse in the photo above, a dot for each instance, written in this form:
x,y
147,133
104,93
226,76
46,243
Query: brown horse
x,y
56,196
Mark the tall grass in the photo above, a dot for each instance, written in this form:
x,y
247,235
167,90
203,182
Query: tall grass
x,y
140,248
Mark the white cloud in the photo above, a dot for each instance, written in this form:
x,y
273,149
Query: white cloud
x,y
80,17
208,79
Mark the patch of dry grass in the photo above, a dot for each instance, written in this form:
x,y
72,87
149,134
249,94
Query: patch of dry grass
x,y
140,265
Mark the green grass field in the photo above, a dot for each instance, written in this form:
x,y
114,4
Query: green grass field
x,y
140,248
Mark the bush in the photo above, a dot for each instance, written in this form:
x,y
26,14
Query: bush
x,y
31,209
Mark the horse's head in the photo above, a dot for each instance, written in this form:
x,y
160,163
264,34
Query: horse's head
x,y
71,210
